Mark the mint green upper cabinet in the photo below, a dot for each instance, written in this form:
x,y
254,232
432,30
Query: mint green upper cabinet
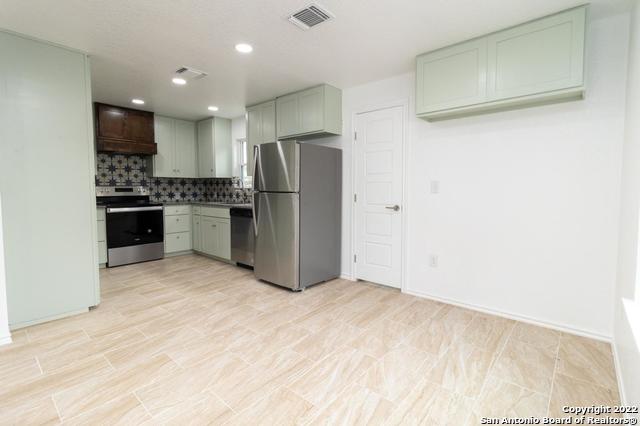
x,y
537,62
452,77
261,127
309,113
215,148
268,120
186,149
311,110
541,56
163,161
288,115
176,141
223,147
206,161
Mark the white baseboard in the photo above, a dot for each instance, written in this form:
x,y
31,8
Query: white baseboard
x,y
347,277
616,363
47,319
5,340
514,316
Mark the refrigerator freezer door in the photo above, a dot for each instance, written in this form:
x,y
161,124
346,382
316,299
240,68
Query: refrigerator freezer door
x,y
277,238
277,167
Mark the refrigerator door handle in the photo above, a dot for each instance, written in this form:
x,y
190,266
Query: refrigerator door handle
x,y
253,213
256,152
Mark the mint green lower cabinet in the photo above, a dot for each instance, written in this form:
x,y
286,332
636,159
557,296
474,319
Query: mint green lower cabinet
x,y
538,62
197,233
50,235
177,242
210,239
102,236
215,236
177,229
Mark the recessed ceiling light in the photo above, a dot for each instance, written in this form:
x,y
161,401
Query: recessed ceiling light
x,y
179,81
244,48
213,108
137,101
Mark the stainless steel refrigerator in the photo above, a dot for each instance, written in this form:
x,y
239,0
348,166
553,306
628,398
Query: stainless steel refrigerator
x,y
297,213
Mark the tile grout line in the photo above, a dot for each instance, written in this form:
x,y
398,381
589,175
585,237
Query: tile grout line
x,y
553,377
142,404
57,409
39,366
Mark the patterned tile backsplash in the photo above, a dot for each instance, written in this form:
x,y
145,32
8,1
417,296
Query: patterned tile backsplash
x,y
131,170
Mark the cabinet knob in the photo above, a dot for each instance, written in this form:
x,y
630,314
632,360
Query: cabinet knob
x,y
213,226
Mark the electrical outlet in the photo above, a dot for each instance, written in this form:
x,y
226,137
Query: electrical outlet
x,y
435,186
433,260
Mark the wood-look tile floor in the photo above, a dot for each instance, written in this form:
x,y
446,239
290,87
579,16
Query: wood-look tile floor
x,y
189,340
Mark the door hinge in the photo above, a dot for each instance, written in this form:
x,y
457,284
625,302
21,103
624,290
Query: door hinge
x,y
355,258
355,198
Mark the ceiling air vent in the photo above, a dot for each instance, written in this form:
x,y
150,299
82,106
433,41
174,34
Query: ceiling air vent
x,y
310,16
190,73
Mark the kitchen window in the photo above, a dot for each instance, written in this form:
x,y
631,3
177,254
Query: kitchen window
x,y
241,155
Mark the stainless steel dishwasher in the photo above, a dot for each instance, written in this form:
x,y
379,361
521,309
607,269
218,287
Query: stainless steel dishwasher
x,y
242,236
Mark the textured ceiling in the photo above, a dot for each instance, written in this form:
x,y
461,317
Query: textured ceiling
x,y
137,45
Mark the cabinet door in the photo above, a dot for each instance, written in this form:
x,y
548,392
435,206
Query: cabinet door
x,y
452,77
287,117
223,148
268,121
185,149
538,57
311,113
209,234
254,133
205,149
224,238
164,160
197,238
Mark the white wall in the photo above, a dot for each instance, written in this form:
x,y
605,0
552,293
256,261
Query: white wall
x,y
238,131
627,350
526,219
5,335
238,128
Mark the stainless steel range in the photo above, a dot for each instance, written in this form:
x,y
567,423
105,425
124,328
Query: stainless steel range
x,y
135,226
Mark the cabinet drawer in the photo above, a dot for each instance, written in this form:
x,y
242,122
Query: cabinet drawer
x,y
101,213
176,210
195,209
180,223
215,211
102,252
177,242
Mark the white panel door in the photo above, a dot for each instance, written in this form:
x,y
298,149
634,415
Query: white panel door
x,y
378,151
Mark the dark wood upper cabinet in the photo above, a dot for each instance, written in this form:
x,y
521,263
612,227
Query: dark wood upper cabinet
x,y
124,130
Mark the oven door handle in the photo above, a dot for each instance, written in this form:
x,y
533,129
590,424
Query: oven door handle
x,y
133,209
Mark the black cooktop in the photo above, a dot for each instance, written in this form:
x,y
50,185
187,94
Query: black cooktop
x,y
125,201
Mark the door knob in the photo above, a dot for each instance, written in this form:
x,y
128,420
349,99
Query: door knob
x,y
394,208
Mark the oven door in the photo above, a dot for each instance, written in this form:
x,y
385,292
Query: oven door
x,y
132,226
